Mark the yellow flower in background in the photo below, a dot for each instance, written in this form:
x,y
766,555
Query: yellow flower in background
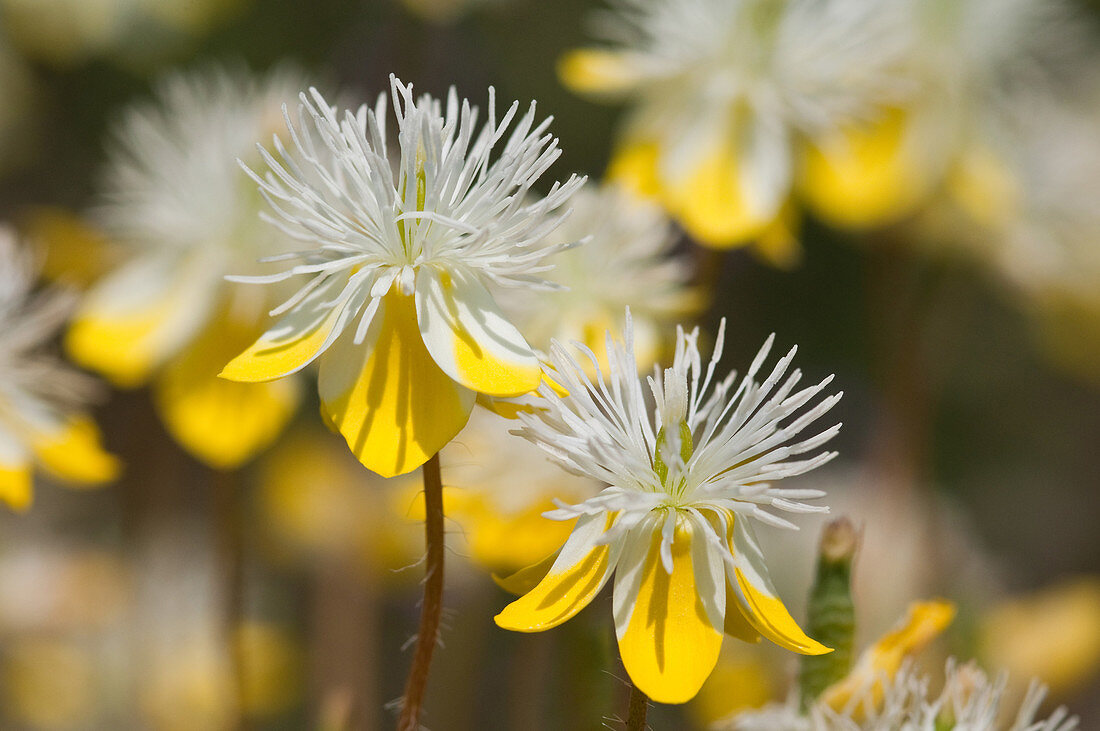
x,y
627,260
961,57
861,692
685,482
316,501
498,487
723,92
398,308
1052,635
41,422
174,199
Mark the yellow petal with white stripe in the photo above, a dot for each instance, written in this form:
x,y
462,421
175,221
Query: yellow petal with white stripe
x,y
598,71
881,661
670,644
752,586
74,452
470,338
387,397
865,176
139,316
296,339
574,579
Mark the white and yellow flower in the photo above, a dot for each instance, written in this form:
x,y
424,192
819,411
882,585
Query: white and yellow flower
x,y
685,482
722,93
961,57
174,198
398,308
969,701
41,423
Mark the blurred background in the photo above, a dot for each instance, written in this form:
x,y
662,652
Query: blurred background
x,y
281,593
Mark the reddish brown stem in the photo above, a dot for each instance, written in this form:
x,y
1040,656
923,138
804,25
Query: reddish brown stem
x,y
432,606
639,706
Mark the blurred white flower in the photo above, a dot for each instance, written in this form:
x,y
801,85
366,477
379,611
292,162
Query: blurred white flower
x,y
627,259
724,92
41,399
173,196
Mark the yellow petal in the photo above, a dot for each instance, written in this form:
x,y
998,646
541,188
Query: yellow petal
x,y
508,539
139,316
72,250
865,176
387,397
293,341
882,660
598,71
222,423
470,338
16,486
714,203
74,452
757,598
526,579
634,166
736,624
670,645
577,575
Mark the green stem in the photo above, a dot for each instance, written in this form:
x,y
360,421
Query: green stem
x,y
432,606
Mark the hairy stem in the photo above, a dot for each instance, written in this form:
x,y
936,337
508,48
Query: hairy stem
x,y
432,605
639,705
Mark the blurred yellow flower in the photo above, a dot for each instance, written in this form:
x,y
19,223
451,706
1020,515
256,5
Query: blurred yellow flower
x,y
498,487
1052,635
316,501
175,200
49,683
41,422
724,92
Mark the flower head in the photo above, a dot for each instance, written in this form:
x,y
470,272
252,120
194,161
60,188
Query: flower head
x,y
969,701
40,398
723,91
398,305
686,480
184,216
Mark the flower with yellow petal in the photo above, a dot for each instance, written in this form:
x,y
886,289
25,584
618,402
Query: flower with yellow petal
x,y
961,56
184,215
40,418
969,701
722,93
398,308
686,481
